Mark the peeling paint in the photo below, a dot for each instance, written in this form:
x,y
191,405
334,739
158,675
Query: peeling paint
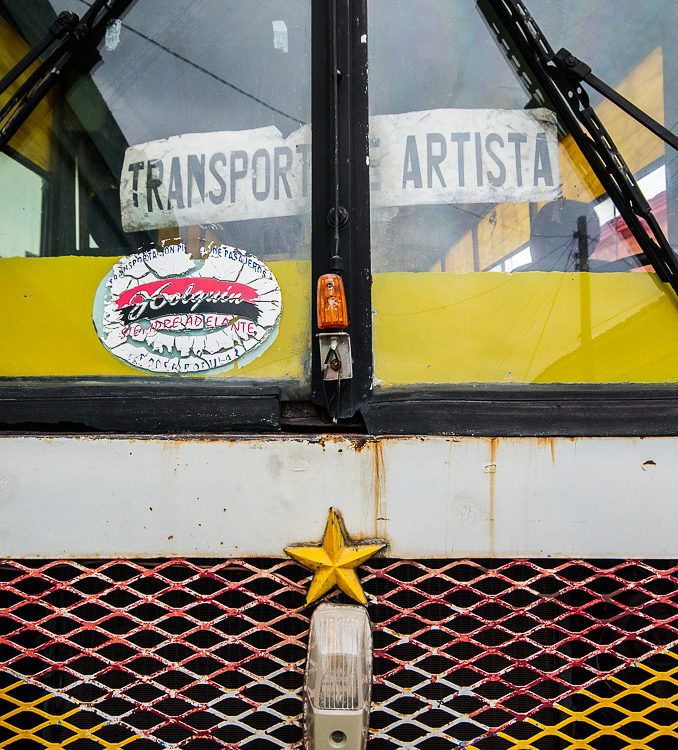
x,y
395,664
280,35
112,39
205,315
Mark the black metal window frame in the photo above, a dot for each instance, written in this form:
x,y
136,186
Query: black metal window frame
x,y
162,405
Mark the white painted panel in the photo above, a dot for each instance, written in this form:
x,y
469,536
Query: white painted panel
x,y
435,497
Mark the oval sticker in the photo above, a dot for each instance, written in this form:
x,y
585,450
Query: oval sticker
x,y
165,312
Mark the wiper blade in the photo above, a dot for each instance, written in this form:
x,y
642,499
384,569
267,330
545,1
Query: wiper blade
x,y
69,40
555,80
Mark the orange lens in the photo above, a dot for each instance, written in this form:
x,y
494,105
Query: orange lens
x,y
331,302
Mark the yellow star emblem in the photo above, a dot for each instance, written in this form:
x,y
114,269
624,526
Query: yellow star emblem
x,y
334,562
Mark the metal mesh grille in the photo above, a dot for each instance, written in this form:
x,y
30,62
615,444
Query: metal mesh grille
x,y
538,655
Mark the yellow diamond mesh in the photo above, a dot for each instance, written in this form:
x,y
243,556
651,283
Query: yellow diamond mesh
x,y
589,724
34,712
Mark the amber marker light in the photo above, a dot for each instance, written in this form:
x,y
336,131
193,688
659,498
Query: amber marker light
x,y
331,302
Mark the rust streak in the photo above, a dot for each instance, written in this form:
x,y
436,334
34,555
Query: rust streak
x,y
493,463
379,486
551,444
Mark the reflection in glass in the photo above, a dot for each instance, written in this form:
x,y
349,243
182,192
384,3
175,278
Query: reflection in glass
x,y
167,69
155,125
570,299
460,66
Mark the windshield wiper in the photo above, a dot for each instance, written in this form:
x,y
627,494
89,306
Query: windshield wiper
x,y
554,79
69,40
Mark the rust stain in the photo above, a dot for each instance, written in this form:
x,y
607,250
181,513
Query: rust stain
x,y
549,443
493,462
170,448
359,443
379,486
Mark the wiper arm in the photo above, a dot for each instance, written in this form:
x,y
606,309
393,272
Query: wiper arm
x,y
573,68
555,80
64,24
69,40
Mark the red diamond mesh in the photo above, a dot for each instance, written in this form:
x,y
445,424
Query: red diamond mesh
x,y
202,654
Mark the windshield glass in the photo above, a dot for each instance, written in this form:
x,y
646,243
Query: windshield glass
x,y
190,133
471,174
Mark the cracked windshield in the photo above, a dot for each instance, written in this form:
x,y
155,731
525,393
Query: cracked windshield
x,y
498,255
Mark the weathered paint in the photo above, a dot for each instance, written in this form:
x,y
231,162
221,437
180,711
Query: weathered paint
x,y
405,147
163,311
252,496
66,287
616,715
500,334
231,154
86,709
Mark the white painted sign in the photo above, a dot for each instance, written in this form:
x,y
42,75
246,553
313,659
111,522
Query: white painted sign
x,y
215,177
164,312
416,158
464,156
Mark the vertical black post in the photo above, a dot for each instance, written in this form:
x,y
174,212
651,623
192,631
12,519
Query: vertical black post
x,y
582,263
353,178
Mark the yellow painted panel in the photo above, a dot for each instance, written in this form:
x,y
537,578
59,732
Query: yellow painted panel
x,y
524,328
32,138
46,314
